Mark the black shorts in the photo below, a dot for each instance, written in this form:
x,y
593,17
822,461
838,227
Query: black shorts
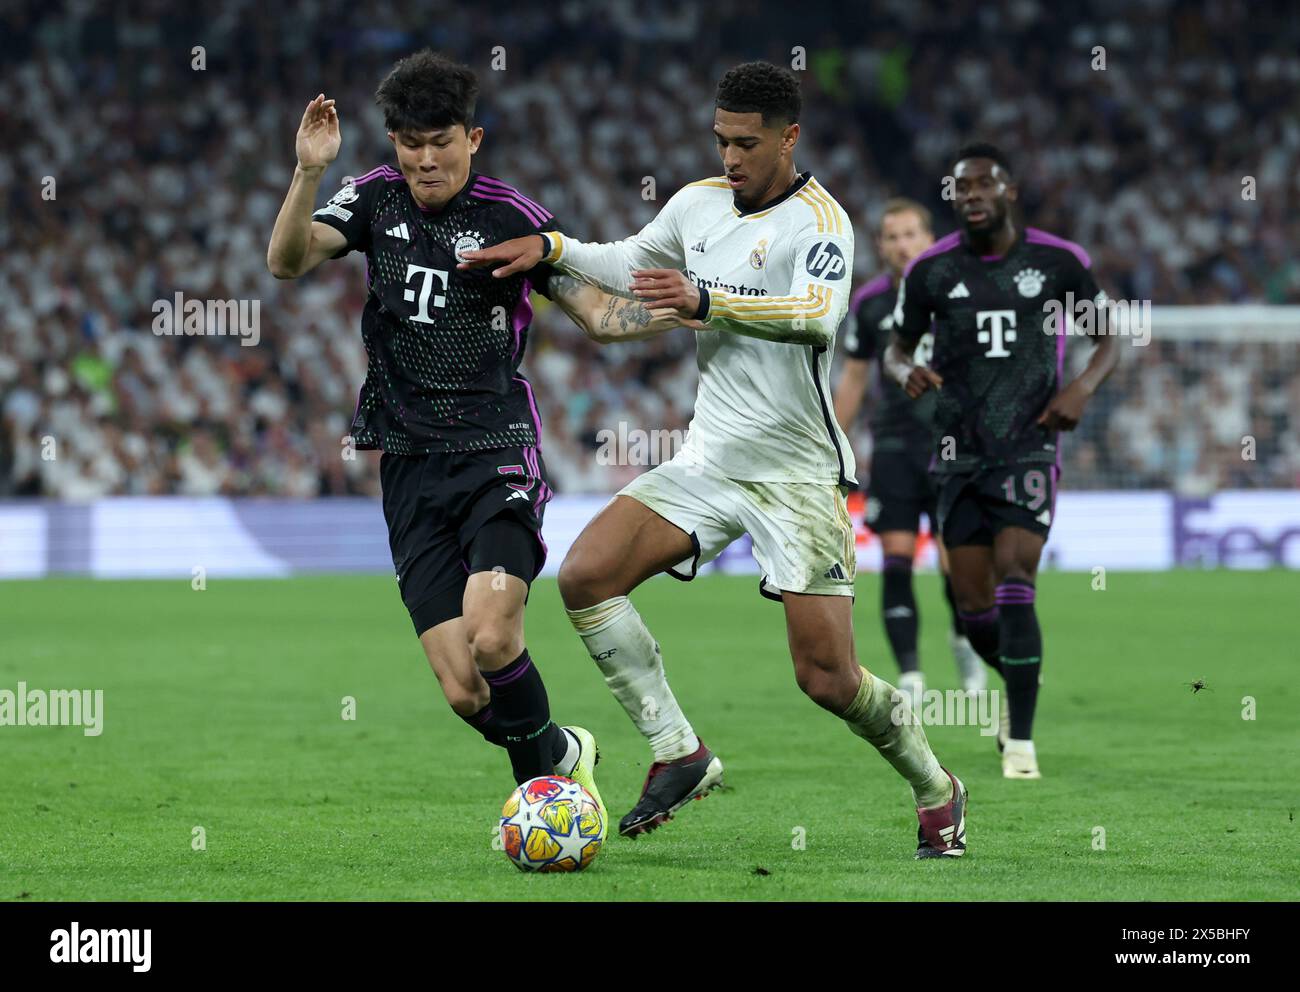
x,y
975,506
900,490
437,506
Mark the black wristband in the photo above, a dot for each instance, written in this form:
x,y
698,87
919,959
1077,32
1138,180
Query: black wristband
x,y
702,311
546,244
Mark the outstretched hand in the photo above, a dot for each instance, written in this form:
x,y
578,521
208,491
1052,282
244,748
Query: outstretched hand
x,y
517,254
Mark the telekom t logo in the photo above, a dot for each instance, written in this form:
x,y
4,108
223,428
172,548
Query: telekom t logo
x,y
1001,328
422,313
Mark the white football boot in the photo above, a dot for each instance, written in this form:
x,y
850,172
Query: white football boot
x,y
970,666
582,768
1019,760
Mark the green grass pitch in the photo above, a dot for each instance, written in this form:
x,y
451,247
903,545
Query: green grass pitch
x,y
223,710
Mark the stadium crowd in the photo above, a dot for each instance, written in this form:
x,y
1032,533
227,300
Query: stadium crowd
x,y
146,151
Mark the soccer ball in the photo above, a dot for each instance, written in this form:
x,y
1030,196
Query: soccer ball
x,y
551,823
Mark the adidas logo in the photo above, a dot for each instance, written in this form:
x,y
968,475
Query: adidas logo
x,y
699,246
399,231
517,494
835,572
897,612
947,833
959,291
1045,518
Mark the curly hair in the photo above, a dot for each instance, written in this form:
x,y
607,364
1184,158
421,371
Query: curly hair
x,y
761,88
427,92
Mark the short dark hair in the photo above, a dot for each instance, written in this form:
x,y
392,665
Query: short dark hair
x,y
427,92
761,88
982,149
902,205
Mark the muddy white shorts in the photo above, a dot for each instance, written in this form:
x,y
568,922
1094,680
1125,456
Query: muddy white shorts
x,y
802,535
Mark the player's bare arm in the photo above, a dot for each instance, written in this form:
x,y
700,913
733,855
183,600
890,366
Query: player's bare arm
x,y
628,320
299,244
606,318
851,390
915,379
1065,410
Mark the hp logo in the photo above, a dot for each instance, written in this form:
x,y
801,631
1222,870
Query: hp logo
x,y
826,261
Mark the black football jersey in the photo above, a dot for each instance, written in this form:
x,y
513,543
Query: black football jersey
x,y
444,346
995,345
897,423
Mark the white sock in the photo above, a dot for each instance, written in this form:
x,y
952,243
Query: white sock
x,y
570,760
880,714
619,643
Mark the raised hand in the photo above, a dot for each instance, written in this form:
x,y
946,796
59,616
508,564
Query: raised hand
x,y
318,135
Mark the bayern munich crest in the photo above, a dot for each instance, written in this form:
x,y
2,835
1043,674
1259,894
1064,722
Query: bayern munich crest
x,y
1029,282
466,241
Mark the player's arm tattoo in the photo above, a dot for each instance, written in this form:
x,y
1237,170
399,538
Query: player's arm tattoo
x,y
628,316
574,297
603,316
562,287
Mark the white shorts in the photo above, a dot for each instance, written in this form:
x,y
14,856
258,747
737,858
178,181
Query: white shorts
x,y
802,535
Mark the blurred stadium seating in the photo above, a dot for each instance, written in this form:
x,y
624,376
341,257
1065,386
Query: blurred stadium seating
x,y
169,178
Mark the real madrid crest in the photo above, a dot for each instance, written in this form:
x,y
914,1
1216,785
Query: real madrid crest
x,y
758,257
464,241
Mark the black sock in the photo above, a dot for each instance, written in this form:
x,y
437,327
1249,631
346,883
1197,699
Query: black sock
x,y
898,609
485,722
523,715
957,626
1021,650
982,630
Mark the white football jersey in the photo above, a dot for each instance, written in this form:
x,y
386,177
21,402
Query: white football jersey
x,y
763,412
